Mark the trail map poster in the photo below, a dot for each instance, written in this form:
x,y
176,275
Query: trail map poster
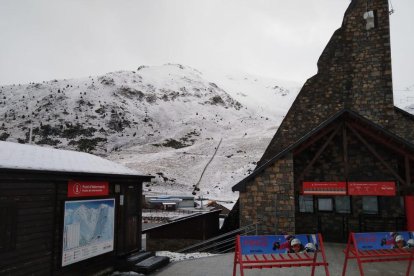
x,y
88,229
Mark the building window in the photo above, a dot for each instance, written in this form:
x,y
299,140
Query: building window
x,y
325,204
402,202
370,205
370,17
8,214
306,204
343,204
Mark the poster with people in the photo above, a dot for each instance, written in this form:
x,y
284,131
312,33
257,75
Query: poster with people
x,y
279,244
384,240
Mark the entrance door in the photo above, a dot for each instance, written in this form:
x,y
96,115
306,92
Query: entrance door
x,y
129,238
334,228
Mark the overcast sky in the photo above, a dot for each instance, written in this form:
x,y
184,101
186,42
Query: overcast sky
x,y
55,39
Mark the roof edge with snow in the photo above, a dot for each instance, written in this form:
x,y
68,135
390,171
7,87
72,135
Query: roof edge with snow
x,y
14,156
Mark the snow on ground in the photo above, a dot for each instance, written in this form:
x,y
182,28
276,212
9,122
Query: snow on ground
x,y
405,99
270,97
161,120
175,257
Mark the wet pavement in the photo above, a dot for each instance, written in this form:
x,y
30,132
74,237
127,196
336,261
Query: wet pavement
x,y
222,265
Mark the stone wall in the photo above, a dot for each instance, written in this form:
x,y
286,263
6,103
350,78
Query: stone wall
x,y
270,199
354,72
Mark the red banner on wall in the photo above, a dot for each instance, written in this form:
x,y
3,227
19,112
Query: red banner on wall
x,y
372,188
324,188
83,188
409,211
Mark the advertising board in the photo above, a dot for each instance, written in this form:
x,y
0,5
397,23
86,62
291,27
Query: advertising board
x,y
278,244
384,240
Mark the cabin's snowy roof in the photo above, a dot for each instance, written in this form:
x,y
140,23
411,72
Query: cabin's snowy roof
x,y
31,157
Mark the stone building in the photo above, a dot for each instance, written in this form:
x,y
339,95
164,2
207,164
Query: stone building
x,y
342,159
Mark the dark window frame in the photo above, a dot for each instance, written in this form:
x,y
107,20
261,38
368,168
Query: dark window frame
x,y
364,212
313,204
350,205
332,204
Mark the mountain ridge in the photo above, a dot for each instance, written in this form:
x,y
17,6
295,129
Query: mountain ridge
x,y
163,120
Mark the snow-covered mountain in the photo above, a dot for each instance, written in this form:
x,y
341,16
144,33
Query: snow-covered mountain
x,y
405,98
172,121
163,120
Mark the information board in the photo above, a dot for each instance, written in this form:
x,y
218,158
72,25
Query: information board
x,y
372,188
87,188
88,229
324,188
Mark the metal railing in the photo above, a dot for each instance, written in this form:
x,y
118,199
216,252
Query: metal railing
x,y
164,216
220,244
179,211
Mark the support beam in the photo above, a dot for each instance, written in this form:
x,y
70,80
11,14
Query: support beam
x,y
313,140
345,152
407,170
374,152
376,137
318,154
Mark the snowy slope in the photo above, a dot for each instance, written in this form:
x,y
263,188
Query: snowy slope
x,y
164,120
405,99
269,97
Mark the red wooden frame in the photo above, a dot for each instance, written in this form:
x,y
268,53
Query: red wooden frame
x,y
375,256
260,261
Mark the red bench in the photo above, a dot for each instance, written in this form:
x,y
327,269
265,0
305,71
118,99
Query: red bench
x,y
258,252
379,247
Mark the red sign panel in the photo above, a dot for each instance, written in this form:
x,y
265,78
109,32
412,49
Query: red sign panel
x,y
324,188
372,188
82,188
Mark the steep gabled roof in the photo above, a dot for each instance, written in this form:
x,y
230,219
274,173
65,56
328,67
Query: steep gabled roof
x,y
345,113
354,72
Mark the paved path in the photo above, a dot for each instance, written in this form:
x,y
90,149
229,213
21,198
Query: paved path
x,y
222,265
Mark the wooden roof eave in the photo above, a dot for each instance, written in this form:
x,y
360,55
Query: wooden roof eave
x,y
22,174
241,186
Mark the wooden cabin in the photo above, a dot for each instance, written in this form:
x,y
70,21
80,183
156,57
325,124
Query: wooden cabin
x,y
65,212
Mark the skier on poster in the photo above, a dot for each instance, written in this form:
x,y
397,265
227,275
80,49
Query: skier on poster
x,y
286,245
399,242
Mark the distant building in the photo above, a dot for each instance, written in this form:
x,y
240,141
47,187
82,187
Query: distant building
x,y
343,158
170,202
48,198
183,232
